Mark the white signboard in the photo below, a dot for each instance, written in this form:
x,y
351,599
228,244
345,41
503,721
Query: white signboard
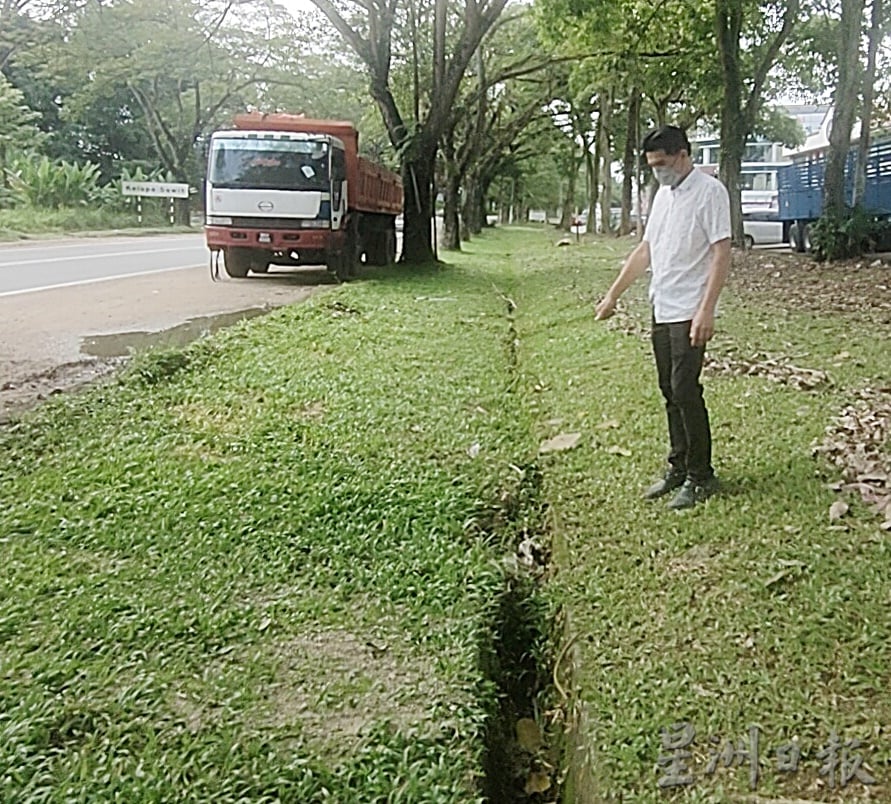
x,y
155,189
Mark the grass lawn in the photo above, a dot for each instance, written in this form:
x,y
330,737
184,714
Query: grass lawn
x,y
753,610
274,566
255,570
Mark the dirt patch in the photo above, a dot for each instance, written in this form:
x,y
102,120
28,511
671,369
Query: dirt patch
x,y
20,394
335,685
332,687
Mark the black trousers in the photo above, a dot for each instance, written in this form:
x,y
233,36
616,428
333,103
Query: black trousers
x,y
679,365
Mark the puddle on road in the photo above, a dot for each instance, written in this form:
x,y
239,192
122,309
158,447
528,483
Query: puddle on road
x,y
121,344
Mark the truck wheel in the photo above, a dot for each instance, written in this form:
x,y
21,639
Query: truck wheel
x,y
345,265
259,266
797,236
238,261
373,252
352,255
390,246
381,247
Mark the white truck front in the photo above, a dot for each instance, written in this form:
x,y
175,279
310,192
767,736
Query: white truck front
x,y
274,198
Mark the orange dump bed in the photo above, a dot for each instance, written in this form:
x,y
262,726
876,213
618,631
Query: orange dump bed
x,y
372,187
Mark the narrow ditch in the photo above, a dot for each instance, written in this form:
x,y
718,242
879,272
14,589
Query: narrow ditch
x,y
524,733
521,760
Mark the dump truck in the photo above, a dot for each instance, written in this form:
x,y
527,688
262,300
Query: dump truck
x,y
284,189
800,187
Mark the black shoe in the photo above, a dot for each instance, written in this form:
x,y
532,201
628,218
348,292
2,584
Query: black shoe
x,y
693,492
671,480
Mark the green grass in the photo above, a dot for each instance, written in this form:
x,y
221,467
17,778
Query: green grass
x,y
26,223
246,572
753,609
261,568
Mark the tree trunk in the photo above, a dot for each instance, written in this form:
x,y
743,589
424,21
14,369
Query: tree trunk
x,y
592,171
845,100
481,193
734,130
869,80
470,211
629,162
569,202
451,234
417,234
606,183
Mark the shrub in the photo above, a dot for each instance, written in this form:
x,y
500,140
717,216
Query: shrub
x,y
40,182
850,234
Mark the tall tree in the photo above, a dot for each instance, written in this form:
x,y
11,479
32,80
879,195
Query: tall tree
x,y
16,27
750,39
185,65
635,76
876,30
506,91
17,128
846,102
455,32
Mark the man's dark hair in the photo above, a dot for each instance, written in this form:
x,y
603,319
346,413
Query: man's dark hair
x,y
670,139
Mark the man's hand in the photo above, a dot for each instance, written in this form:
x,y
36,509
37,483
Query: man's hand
x,y
702,328
606,308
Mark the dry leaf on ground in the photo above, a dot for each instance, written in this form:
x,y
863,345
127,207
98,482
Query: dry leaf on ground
x,y
560,442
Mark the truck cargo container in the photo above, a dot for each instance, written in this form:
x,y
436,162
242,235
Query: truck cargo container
x,y
801,188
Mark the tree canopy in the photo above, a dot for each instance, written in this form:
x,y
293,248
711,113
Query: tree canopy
x,y
462,92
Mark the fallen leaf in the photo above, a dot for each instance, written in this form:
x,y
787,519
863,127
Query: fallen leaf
x,y
560,442
609,424
474,449
528,734
617,450
538,782
783,573
837,510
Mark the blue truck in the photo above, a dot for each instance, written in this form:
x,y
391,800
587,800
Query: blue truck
x,y
800,187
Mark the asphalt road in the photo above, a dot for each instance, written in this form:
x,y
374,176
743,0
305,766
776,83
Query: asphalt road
x,y
31,266
69,307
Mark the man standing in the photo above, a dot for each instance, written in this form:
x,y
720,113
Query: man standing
x,y
686,245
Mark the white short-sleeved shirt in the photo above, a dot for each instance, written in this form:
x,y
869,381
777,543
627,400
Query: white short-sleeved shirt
x,y
684,222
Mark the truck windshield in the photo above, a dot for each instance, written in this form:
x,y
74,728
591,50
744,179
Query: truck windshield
x,y
269,164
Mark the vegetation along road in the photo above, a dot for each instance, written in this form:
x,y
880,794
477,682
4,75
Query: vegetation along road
x,y
388,545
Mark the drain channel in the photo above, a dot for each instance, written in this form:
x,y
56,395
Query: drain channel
x,y
521,759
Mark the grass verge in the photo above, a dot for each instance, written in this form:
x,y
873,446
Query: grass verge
x,y
264,568
754,610
28,224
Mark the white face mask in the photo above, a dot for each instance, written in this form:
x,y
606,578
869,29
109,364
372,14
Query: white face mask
x,y
666,176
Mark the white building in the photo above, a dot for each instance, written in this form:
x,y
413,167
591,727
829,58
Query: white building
x,y
758,177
